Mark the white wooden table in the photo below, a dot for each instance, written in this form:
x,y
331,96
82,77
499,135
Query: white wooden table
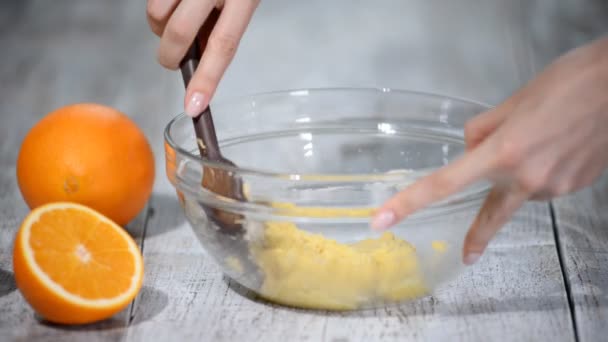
x,y
545,276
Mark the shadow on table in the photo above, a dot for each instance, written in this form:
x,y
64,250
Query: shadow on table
x,y
252,296
498,305
163,214
167,214
149,303
7,282
430,305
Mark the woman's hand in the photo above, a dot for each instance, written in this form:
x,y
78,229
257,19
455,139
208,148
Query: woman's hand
x,y
549,139
177,23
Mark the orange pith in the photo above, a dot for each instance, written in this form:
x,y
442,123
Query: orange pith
x,y
73,265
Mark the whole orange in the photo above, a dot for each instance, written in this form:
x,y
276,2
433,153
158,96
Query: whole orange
x,y
89,154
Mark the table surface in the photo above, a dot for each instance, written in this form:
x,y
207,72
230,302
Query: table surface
x,y
544,277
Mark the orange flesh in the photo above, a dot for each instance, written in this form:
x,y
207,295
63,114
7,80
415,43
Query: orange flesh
x,y
83,255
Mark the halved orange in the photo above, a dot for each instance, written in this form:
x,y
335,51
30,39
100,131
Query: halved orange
x,y
73,265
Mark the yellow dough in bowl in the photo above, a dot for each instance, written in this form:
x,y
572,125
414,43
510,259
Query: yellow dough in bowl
x,y
310,271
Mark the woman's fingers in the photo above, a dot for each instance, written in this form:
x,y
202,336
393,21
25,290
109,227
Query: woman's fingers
x,y
218,53
483,125
480,127
179,23
473,166
158,13
502,202
181,30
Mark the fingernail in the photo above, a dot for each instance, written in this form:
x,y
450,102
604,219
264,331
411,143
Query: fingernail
x,y
195,105
383,220
471,258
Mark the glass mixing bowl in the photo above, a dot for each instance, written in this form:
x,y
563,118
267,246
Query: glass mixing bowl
x,y
315,164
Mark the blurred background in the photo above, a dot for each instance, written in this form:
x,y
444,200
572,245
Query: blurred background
x,y
59,52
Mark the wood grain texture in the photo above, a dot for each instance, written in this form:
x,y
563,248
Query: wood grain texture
x,y
515,293
582,223
55,53
581,219
38,74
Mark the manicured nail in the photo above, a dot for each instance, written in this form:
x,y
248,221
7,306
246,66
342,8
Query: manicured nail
x,y
383,220
195,105
471,258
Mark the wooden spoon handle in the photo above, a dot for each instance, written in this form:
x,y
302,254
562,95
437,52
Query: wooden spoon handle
x,y
203,123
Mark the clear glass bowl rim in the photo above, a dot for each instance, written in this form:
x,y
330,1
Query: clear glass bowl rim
x,y
465,199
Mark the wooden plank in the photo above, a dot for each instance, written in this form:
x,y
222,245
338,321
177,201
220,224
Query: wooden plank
x,y
39,74
581,219
582,223
515,293
103,52
18,322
